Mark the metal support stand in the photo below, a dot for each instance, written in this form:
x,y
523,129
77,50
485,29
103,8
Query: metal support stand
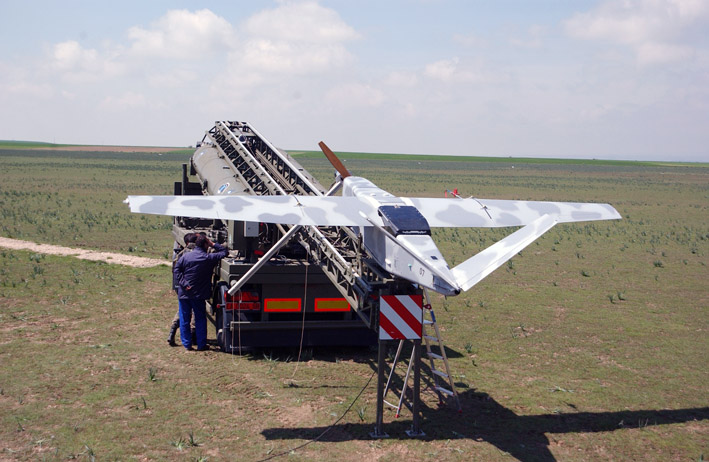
x,y
415,427
381,363
382,386
440,378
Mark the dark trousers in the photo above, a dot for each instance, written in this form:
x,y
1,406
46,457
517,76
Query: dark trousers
x,y
198,307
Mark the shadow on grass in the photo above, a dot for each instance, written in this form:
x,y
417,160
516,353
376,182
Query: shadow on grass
x,y
358,354
363,355
483,419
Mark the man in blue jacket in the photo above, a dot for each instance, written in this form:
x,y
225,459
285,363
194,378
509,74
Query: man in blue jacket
x,y
193,273
177,253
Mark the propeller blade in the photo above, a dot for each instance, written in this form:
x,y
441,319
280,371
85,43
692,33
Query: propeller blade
x,y
334,160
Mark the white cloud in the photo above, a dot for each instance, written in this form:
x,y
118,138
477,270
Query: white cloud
x,y
658,53
29,89
80,65
182,34
287,57
70,55
166,54
532,38
470,40
17,83
127,100
653,29
453,71
300,22
297,46
410,110
295,38
443,70
174,78
401,79
356,95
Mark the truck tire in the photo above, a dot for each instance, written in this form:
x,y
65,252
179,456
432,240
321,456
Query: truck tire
x,y
219,314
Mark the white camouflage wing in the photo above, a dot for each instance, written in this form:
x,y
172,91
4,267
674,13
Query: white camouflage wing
x,y
350,211
493,213
287,210
477,267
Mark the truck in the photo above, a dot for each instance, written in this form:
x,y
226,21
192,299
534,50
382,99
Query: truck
x,y
315,290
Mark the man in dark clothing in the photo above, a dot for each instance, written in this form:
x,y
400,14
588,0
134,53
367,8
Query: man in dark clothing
x,y
193,272
178,252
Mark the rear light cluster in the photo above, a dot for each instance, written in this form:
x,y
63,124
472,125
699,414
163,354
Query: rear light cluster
x,y
243,301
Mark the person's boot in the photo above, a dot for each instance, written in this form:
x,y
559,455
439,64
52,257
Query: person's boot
x,y
173,331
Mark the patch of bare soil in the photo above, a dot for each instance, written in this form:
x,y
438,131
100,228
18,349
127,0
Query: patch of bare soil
x,y
94,255
109,148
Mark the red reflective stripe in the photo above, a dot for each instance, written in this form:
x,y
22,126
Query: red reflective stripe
x,y
405,314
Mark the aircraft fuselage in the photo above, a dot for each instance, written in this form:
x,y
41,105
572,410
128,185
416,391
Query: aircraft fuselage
x,y
400,238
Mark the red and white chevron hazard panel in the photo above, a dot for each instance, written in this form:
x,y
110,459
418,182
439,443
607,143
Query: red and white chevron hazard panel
x,y
400,317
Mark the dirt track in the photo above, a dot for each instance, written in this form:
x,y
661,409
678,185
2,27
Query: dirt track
x,y
109,148
117,258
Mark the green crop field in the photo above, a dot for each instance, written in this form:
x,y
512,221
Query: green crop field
x,y
589,345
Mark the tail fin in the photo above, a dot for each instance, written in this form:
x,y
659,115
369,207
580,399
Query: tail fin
x,y
474,269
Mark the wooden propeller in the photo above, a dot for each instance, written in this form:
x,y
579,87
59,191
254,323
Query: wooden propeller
x,y
342,170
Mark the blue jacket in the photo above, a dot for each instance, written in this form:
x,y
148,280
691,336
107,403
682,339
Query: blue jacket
x,y
177,253
194,269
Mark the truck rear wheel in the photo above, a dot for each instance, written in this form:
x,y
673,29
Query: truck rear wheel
x,y
219,315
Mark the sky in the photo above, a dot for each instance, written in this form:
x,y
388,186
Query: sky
x,y
623,79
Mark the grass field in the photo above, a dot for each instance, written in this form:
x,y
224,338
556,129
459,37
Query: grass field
x,y
590,345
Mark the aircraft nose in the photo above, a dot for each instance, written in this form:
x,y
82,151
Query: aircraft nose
x,y
442,286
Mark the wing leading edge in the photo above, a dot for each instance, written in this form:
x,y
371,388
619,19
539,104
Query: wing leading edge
x,y
494,213
287,210
352,211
